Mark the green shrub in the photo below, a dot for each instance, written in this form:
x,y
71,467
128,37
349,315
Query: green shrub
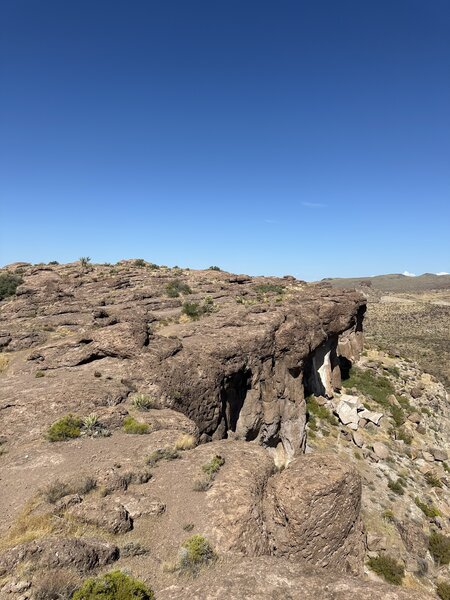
x,y
162,454
215,269
443,590
113,586
378,388
439,547
387,567
177,287
195,552
130,425
433,480
269,288
214,465
39,374
8,284
398,415
143,402
404,436
319,411
194,310
139,262
429,510
66,428
85,260
53,262
388,516
396,487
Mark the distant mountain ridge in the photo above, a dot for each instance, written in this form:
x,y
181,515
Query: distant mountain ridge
x,y
395,282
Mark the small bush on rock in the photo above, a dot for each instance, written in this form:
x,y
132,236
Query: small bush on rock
x,y
214,465
113,586
396,487
162,454
8,284
130,425
185,442
387,567
195,552
66,428
143,402
429,510
55,585
177,287
439,547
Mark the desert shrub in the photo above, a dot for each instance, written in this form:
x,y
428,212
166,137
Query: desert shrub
x,y
215,269
139,262
387,567
143,402
396,487
53,262
443,590
92,426
428,509
388,516
377,387
192,310
130,425
55,491
319,411
404,436
398,415
195,552
176,287
439,547
8,284
185,442
39,374
84,261
55,584
433,479
162,454
214,465
66,428
59,489
269,288
202,485
113,586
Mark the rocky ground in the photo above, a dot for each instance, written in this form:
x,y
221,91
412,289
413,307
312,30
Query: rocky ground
x,y
201,431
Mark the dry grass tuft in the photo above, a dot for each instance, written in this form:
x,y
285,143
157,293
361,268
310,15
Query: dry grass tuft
x,y
186,442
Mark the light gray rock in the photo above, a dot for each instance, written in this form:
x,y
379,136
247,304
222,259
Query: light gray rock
x,y
380,450
358,439
439,454
373,417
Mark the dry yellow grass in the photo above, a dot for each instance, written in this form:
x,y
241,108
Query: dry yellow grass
x,y
4,362
185,442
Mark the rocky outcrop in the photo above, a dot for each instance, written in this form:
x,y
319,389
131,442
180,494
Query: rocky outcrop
x,y
268,577
312,511
80,554
242,371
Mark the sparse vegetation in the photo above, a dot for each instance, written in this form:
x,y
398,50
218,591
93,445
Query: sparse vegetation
x,y
397,487
55,584
195,552
66,428
139,262
443,590
433,480
8,284
439,547
387,567
162,454
143,402
185,442
269,288
177,287
215,269
85,261
213,467
113,586
377,387
58,489
194,310
39,374
131,425
428,509
314,409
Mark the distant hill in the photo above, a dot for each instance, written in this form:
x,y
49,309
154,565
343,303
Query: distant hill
x,y
394,282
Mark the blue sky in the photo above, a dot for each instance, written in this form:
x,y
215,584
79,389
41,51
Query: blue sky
x,y
285,137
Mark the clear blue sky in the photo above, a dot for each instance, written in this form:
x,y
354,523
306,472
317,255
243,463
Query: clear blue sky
x,y
303,137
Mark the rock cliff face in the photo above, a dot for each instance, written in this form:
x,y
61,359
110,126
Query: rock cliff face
x,y
241,371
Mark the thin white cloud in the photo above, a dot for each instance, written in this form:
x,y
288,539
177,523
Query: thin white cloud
x,y
314,205
271,221
408,274
442,273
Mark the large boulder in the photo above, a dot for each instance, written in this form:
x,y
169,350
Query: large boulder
x,y
312,513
